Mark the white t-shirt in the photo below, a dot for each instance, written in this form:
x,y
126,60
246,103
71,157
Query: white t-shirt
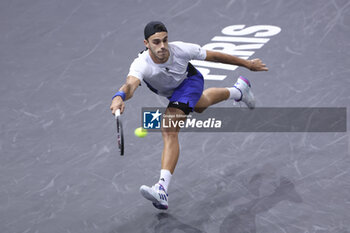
x,y
169,75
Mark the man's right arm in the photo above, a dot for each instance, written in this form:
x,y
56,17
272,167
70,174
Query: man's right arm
x,y
128,88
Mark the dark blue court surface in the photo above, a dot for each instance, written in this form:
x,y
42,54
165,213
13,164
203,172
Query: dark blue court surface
x,y
61,62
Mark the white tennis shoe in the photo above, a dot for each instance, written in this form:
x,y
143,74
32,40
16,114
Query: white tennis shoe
x,y
243,85
156,194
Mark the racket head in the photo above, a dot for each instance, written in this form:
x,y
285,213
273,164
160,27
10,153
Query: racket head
x,y
120,134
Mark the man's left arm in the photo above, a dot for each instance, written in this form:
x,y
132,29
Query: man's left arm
x,y
253,65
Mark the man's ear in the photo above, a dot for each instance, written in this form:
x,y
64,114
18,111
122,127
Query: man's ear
x,y
146,43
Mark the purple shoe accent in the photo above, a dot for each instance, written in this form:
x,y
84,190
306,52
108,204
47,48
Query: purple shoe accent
x,y
245,80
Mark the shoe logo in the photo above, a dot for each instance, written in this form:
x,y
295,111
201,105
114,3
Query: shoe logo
x,y
162,196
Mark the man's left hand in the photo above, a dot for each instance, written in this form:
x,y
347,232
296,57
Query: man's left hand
x,y
257,65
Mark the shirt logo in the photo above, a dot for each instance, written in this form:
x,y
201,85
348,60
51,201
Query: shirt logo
x,y
151,119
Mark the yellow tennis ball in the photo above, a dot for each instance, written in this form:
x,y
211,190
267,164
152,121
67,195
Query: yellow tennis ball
x,y
140,132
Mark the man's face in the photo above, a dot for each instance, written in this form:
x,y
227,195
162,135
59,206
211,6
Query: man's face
x,y
158,47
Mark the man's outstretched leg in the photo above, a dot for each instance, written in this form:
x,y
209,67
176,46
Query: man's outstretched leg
x,y
171,150
239,92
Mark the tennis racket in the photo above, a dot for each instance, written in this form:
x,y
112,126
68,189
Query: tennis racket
x,y
120,136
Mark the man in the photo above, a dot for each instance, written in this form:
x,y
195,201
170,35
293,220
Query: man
x,y
166,70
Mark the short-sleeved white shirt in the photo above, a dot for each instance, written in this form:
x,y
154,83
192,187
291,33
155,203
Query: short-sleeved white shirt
x,y
169,75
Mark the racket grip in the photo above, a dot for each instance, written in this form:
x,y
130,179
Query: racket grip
x,y
117,113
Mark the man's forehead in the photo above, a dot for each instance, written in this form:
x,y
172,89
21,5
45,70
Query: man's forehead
x,y
158,35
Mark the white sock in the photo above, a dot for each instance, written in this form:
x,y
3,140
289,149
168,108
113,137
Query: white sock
x,y
164,179
235,93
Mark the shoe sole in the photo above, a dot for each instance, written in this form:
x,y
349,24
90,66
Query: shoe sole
x,y
151,198
252,103
160,206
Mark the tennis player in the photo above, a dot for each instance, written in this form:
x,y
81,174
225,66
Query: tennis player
x,y
166,69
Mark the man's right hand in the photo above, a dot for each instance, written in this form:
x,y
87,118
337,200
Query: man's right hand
x,y
117,103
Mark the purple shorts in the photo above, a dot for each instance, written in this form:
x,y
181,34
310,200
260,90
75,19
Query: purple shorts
x,y
186,96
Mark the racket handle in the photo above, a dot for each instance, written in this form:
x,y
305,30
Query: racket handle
x,y
117,113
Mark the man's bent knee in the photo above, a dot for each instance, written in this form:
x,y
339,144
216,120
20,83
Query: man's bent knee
x,y
200,110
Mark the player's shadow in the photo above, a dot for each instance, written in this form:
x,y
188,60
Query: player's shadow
x,y
168,223
159,223
242,218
